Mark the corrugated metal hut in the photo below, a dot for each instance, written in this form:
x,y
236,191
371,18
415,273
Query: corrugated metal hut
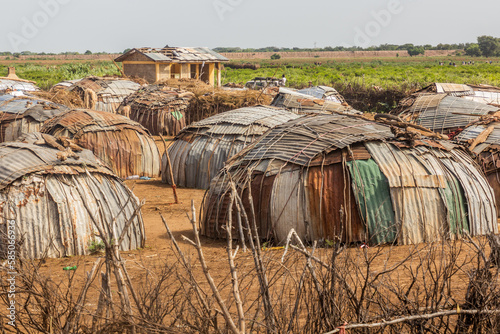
x,y
126,146
483,139
444,113
12,86
24,114
160,109
313,99
200,150
337,176
104,94
54,198
478,93
15,86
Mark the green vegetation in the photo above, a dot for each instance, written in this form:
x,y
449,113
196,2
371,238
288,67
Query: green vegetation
x,y
95,246
48,75
384,73
368,84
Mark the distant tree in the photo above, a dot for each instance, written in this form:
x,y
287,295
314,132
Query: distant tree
x,y
489,45
88,52
473,50
276,56
415,51
405,46
127,50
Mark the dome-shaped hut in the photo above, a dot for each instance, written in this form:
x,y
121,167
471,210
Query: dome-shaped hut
x,y
24,114
126,146
484,94
11,84
444,113
322,99
104,94
340,177
52,198
160,109
482,138
200,150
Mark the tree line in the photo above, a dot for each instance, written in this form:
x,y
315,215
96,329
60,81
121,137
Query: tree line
x,y
486,46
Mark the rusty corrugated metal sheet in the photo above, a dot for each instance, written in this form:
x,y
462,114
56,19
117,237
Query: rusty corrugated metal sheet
x,y
123,144
24,114
443,113
426,183
312,100
161,110
202,148
104,94
53,201
300,140
331,206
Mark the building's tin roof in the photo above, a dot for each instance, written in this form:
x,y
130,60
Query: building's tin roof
x,y
176,54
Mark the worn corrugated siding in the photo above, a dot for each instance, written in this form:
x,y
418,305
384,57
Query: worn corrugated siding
x,y
53,207
331,208
480,197
287,204
419,208
216,139
372,193
298,141
125,145
17,85
442,113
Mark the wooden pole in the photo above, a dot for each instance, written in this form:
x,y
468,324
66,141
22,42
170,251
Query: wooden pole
x,y
174,187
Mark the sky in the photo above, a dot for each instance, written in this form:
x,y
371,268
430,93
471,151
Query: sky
x,y
115,25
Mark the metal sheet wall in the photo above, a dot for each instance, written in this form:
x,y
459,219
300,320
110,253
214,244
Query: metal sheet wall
x,y
52,213
195,164
331,207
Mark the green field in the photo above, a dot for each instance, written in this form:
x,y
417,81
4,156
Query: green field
x,y
383,72
369,84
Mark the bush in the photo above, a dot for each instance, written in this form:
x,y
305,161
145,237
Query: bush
x,y
275,56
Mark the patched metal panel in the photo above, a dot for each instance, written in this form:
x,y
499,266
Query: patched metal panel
x,y
53,211
287,204
331,209
123,144
418,207
480,197
214,140
300,140
443,113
